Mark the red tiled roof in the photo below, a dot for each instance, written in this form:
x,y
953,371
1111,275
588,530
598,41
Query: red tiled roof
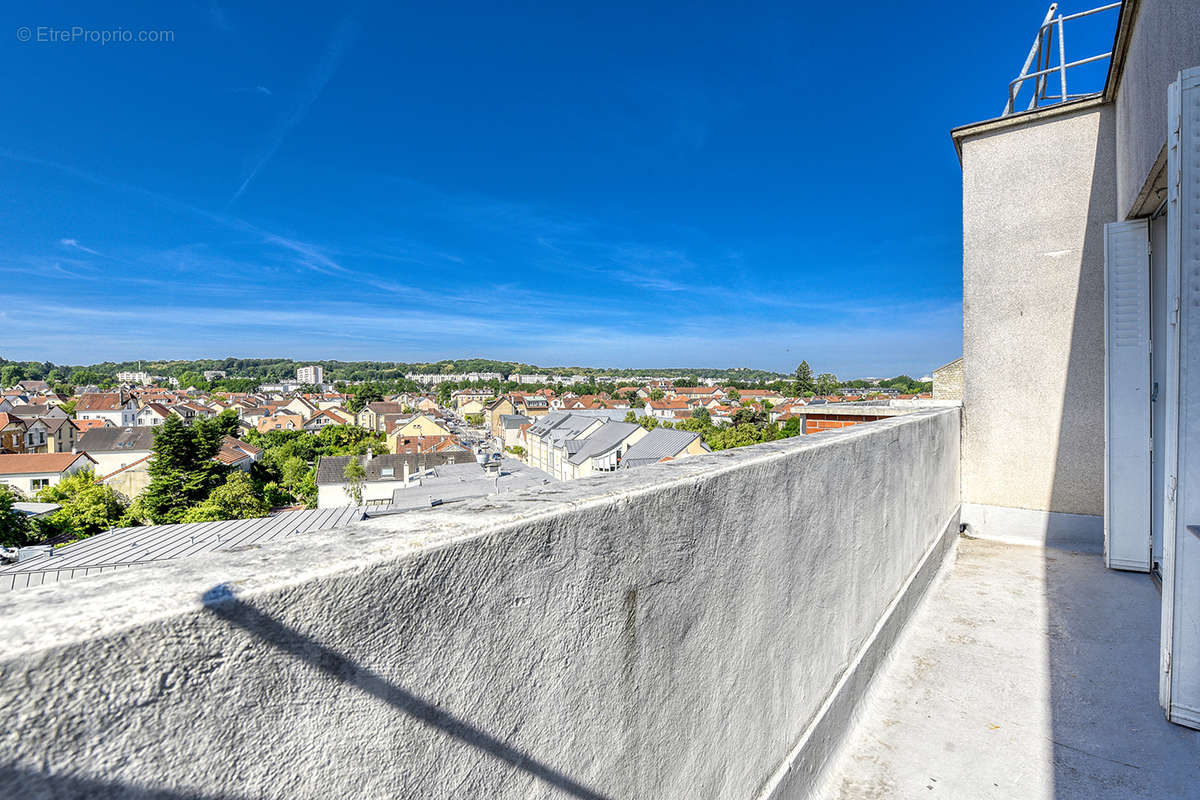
x,y
32,463
7,419
104,401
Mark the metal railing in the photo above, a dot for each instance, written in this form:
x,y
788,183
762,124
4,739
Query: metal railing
x,y
1039,58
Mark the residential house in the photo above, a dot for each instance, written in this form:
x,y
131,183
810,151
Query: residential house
x,y
28,473
301,406
280,420
33,387
416,425
663,444
237,454
510,429
462,397
500,407
534,405
471,407
372,415
601,450
114,448
12,433
705,394
151,414
191,411
39,410
37,435
85,425
118,409
323,419
385,473
550,441
62,434
761,396
666,409
426,444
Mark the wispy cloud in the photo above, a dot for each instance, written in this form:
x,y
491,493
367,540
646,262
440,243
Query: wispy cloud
x,y
325,69
256,89
75,245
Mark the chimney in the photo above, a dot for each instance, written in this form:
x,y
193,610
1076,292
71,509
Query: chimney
x,y
405,471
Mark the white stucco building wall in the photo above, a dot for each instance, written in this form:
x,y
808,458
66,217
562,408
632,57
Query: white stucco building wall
x,y
1037,192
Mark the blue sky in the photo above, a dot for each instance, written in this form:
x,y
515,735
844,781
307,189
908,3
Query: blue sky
x,y
587,184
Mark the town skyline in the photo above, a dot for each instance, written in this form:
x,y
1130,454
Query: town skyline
x,y
352,371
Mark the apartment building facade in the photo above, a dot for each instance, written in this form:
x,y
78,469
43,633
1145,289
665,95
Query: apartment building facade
x,y
1081,287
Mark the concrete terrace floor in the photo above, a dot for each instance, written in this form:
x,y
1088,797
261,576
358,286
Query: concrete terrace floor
x,y
1026,673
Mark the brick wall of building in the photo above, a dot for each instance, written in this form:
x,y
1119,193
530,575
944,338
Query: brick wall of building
x,y
815,423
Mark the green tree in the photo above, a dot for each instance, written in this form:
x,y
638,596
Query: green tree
x,y
734,395
10,375
648,422
182,470
236,498
307,489
827,383
355,475
15,530
631,417
804,378
656,394
701,413
88,507
793,427
189,378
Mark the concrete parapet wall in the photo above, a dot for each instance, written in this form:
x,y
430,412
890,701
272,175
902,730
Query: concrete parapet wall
x,y
693,629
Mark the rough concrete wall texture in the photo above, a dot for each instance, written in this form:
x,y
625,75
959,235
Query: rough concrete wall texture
x,y
1165,40
667,633
1036,198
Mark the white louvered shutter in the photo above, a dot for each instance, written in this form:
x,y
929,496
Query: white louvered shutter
x,y
1127,396
1180,639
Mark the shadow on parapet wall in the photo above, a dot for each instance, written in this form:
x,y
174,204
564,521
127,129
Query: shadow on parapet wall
x,y
221,602
30,785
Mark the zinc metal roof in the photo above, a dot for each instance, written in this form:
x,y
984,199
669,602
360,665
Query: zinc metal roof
x,y
660,443
609,436
102,440
128,547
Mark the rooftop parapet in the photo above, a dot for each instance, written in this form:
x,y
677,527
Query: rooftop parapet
x,y
701,628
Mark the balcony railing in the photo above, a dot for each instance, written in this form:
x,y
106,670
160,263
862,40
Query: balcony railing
x,y
1048,45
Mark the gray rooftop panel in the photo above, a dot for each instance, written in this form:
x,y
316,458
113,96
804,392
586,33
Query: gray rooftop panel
x,y
660,443
101,440
609,435
126,547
